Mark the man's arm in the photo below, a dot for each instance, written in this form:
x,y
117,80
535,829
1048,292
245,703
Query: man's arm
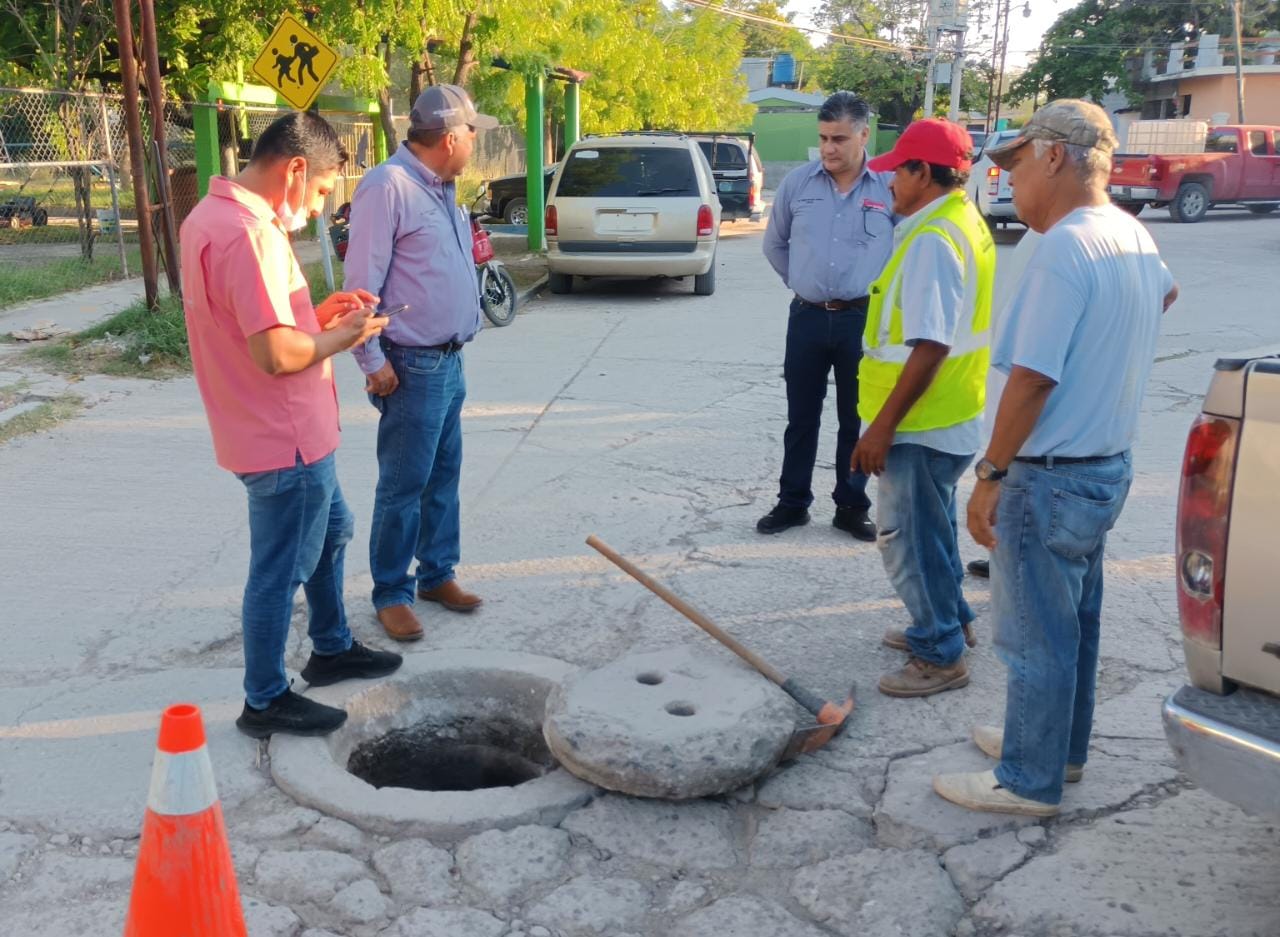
x,y
777,235
917,374
1021,404
1171,297
286,350
374,219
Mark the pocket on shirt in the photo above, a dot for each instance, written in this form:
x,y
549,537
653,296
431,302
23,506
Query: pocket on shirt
x,y
1078,525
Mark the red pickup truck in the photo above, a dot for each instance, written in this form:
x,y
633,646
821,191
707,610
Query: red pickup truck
x,y
1239,165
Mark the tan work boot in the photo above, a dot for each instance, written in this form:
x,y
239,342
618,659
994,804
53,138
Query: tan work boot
x,y
921,678
452,596
399,622
981,791
990,741
896,638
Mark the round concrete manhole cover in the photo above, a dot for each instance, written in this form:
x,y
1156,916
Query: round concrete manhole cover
x,y
448,746
675,723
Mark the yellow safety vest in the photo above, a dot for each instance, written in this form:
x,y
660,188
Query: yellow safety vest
x,y
958,391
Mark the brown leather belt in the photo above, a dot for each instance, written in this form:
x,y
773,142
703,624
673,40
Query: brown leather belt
x,y
837,305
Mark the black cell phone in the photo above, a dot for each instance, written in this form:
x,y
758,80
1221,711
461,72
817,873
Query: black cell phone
x,y
393,311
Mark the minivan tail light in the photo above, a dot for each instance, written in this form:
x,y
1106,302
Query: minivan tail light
x,y
1204,506
553,223
706,222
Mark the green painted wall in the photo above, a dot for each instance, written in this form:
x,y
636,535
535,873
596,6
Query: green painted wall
x,y
785,136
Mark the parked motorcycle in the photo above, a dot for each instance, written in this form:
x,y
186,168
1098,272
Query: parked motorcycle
x,y
497,289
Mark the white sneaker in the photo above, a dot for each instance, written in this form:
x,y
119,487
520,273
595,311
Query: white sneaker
x,y
990,741
981,791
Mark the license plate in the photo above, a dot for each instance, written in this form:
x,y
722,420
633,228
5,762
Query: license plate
x,y
1120,190
625,222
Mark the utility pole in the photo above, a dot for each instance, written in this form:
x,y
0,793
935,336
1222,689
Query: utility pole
x,y
1004,51
957,78
1002,10
933,64
1235,13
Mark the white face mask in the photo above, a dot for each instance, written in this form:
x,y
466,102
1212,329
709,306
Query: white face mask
x,y
294,219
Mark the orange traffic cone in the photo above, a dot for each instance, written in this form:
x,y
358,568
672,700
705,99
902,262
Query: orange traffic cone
x,y
185,884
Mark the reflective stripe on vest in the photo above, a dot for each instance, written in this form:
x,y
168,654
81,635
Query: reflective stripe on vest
x,y
958,391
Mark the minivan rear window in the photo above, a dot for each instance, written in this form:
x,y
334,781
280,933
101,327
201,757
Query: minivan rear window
x,y
628,172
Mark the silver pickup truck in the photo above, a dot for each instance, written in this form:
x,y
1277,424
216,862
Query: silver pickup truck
x,y
1225,726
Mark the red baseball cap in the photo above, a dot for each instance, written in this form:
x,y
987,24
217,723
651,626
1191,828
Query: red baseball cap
x,y
935,141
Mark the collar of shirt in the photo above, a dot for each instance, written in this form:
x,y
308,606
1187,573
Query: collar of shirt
x,y
819,170
406,158
911,222
222,187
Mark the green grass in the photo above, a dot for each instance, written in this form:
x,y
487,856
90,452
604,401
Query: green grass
x,y
314,272
132,343
26,280
46,416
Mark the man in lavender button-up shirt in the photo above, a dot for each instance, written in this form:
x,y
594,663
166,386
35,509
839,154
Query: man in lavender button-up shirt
x,y
411,244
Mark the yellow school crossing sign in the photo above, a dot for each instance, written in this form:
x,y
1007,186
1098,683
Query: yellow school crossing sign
x,y
296,62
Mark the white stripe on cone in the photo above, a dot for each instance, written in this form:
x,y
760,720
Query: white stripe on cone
x,y
182,784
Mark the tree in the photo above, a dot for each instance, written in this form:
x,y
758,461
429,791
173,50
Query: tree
x,y
1093,48
763,39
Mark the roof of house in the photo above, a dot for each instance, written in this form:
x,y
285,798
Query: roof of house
x,y
788,96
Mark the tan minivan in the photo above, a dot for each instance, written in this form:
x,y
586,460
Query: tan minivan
x,y
633,205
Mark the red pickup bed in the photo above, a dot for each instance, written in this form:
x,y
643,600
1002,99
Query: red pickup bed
x,y
1240,165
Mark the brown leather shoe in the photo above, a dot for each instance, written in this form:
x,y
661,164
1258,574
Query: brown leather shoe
x,y
921,678
399,622
896,638
453,597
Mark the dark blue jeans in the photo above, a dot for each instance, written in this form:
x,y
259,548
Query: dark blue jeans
x,y
916,517
818,341
299,528
415,509
1046,599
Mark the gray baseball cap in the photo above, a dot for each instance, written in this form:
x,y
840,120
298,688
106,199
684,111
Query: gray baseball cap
x,y
1066,120
443,107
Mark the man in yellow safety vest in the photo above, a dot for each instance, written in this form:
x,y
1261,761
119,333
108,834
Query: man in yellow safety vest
x,y
922,391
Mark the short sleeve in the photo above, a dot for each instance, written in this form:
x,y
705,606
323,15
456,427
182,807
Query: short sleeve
x,y
256,270
931,291
1040,321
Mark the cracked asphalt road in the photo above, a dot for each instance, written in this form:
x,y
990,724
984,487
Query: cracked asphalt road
x,y
653,418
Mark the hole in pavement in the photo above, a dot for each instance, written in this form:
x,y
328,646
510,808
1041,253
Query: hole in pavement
x,y
681,709
650,678
467,755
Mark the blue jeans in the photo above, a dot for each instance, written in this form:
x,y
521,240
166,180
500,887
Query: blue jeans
x,y
818,341
1046,599
916,520
299,528
415,509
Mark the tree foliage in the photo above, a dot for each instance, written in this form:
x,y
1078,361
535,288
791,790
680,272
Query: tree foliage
x,y
1096,47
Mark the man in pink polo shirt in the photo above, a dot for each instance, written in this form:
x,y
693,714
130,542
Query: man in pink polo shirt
x,y
261,356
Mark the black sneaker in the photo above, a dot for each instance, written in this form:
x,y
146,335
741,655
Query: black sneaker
x,y
782,518
356,662
291,714
980,568
854,521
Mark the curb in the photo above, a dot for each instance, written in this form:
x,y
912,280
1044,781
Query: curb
x,y
532,292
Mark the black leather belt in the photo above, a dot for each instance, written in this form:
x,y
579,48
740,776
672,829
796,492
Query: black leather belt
x,y
1062,459
448,348
838,305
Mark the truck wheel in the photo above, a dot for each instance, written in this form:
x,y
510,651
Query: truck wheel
x,y
516,212
560,282
1262,209
1190,204
704,284
1133,208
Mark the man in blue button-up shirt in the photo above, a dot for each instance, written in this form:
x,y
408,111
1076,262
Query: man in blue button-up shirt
x,y
830,234
411,244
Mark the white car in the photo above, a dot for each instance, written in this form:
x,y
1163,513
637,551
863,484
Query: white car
x,y
633,205
988,185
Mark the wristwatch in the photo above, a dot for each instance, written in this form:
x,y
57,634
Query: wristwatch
x,y
987,472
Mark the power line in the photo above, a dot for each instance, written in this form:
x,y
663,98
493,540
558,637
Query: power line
x,y
882,45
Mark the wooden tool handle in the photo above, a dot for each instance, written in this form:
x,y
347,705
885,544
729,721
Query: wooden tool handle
x,y
684,608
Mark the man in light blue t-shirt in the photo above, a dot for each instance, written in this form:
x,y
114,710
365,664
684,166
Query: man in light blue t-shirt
x,y
1077,342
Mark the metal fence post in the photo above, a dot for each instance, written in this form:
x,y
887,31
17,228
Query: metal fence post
x,y
572,127
204,121
113,178
534,192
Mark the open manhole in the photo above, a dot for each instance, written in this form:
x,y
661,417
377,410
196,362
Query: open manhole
x,y
468,755
448,746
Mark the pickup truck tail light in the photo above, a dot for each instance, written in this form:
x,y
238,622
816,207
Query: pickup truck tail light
x,y
993,180
553,223
1155,169
753,197
1204,504
706,222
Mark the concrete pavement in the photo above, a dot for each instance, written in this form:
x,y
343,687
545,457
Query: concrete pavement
x,y
654,418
